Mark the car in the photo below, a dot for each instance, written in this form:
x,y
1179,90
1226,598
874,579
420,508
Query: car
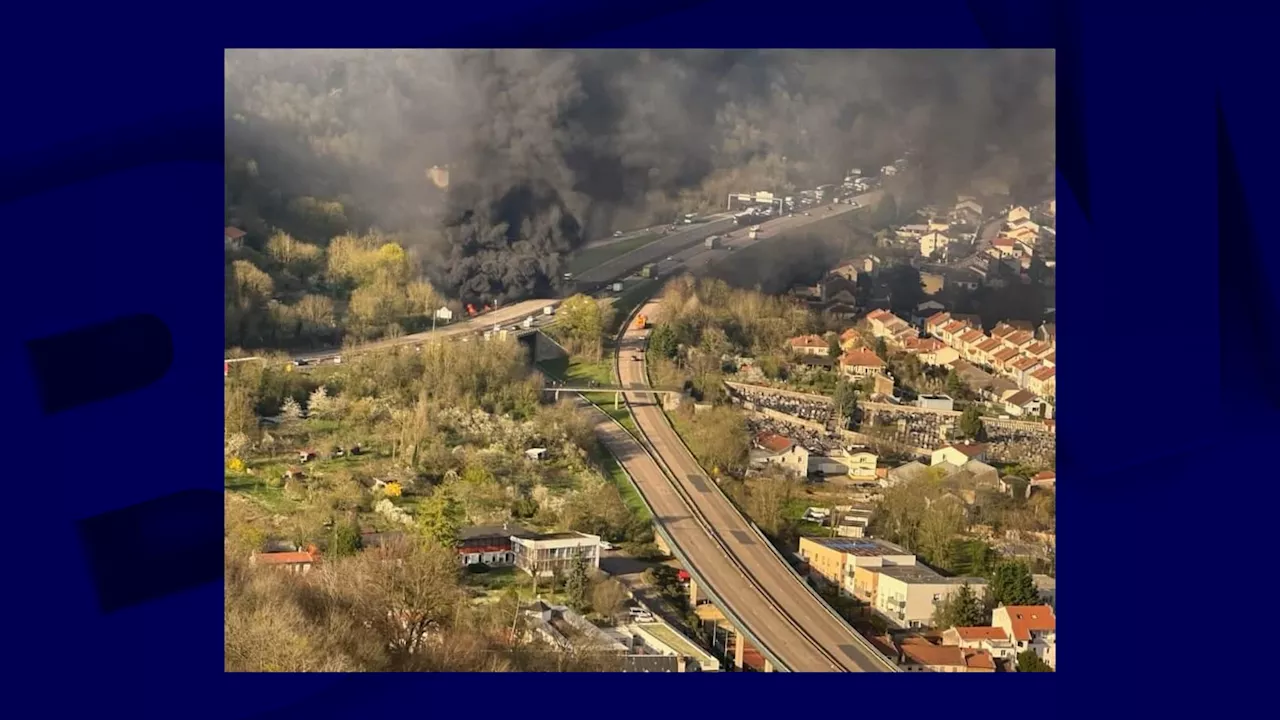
x,y
671,257
808,215
606,546
617,233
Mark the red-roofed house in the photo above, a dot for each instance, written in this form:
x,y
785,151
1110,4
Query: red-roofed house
x,y
936,322
949,331
299,562
982,351
779,450
1050,360
1037,349
1020,368
969,339
1004,246
849,339
234,237
1001,358
1041,382
1003,330
810,345
1019,340
1046,479
920,655
991,639
860,363
1032,627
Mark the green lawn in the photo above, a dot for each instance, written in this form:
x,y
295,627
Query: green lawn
x,y
630,496
596,256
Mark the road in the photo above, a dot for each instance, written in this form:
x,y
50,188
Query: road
x,y
627,263
786,617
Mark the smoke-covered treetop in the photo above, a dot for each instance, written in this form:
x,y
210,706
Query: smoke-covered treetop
x,y
546,148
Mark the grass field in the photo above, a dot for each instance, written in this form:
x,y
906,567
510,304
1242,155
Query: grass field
x,y
596,256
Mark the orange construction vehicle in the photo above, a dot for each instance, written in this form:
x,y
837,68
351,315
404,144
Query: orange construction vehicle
x,y
641,322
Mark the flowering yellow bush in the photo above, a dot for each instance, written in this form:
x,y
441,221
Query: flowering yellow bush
x,y
393,489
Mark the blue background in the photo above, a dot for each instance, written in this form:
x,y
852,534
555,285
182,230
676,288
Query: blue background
x,y
110,202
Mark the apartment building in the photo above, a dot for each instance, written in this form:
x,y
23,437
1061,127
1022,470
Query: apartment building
x,y
546,555
1031,627
835,560
908,595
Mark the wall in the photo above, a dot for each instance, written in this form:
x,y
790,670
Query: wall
x,y
823,561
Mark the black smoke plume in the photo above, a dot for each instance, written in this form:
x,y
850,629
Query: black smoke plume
x,y
547,149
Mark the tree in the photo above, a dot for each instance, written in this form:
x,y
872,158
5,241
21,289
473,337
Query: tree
x,y
319,404
578,583
882,349
345,540
440,517
971,422
962,609
1029,661
582,320
833,346
608,597
955,384
290,409
663,341
846,401
1012,584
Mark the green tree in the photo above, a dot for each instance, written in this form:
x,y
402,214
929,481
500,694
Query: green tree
x,y
663,341
1029,661
962,609
582,320
971,422
1011,584
846,401
440,517
578,584
833,346
882,348
955,384
345,540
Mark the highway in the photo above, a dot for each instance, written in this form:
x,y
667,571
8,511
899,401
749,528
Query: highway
x,y
754,583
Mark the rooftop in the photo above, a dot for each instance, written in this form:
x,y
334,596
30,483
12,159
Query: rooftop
x,y
922,575
488,531
861,358
1026,619
774,442
981,633
808,341
859,547
283,558
233,232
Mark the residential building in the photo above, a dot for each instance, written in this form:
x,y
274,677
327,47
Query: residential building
x,y
861,464
299,562
915,654
936,402
568,631
908,595
959,454
1048,332
1032,627
779,450
934,242
1004,246
1019,369
925,310
233,237
489,544
1044,480
849,339
860,363
1016,214
835,559
1042,381
1022,402
810,345
546,555
994,640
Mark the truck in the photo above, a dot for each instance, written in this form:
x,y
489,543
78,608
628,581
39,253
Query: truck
x,y
712,242
641,322
647,271
753,234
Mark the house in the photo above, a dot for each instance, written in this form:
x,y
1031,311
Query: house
x,y
936,402
861,464
908,595
924,310
959,454
779,450
1041,382
1044,480
1050,360
1048,332
934,242
1038,349
546,555
1021,402
916,654
1032,627
833,560
809,345
1020,368
1004,246
1019,340
233,237
860,363
952,330
568,631
937,354
968,211
934,323
1016,214
489,544
849,271
994,640
299,562
850,339
983,351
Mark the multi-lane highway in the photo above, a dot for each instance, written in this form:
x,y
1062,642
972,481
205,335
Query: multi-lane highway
x,y
754,583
